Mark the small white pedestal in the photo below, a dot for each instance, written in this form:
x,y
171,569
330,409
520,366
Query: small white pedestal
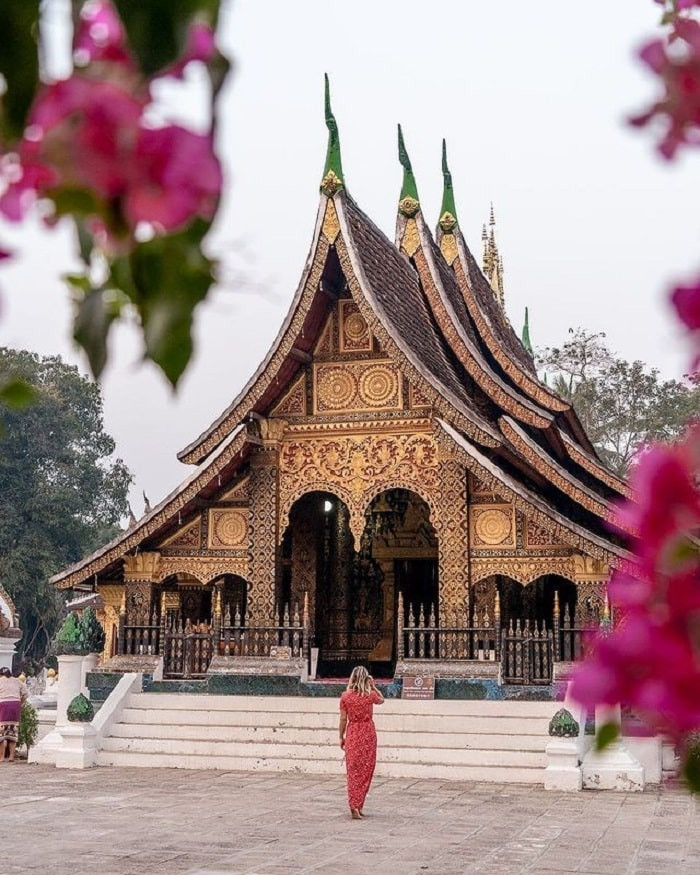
x,y
613,768
79,748
563,770
70,679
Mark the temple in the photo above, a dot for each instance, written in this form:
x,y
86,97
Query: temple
x,y
393,486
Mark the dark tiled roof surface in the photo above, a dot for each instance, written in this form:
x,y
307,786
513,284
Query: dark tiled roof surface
x,y
395,285
492,311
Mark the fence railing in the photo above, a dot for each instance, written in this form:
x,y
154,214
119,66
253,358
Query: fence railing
x,y
527,654
140,640
260,640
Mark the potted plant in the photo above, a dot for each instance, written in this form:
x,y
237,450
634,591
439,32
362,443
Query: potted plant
x,y
70,638
28,727
93,632
80,710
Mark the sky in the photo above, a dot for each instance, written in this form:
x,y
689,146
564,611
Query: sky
x,y
532,99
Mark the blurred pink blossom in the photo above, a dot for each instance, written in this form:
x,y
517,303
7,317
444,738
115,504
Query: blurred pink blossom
x,y
100,35
686,300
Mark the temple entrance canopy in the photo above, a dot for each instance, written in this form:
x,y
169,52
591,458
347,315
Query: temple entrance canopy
x,y
392,485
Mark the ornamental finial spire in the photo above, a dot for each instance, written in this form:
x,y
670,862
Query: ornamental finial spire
x,y
408,199
527,343
448,211
333,170
493,263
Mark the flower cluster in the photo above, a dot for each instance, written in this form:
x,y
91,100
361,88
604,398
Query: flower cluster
x,y
90,148
675,60
651,660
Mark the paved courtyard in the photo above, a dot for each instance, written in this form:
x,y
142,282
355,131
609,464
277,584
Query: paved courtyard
x,y
123,821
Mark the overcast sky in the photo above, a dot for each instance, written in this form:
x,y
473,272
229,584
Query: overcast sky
x,y
531,97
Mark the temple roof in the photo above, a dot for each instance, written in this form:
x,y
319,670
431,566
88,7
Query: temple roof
x,y
432,310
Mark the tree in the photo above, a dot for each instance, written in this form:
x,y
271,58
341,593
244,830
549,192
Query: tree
x,y
61,495
622,405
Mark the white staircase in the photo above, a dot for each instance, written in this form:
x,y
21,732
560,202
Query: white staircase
x,y
444,739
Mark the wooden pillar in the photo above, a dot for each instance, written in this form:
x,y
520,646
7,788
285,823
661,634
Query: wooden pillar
x,y
260,607
452,528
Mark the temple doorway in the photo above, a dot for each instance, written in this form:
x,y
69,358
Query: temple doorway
x,y
352,592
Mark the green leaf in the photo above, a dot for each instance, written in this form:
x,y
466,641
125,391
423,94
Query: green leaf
x,y
75,201
691,773
170,276
605,735
157,29
17,393
19,63
95,312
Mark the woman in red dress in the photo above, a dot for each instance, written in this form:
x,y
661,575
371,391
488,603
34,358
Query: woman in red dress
x,y
358,737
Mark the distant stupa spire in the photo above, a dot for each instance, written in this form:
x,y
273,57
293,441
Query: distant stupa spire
x,y
492,261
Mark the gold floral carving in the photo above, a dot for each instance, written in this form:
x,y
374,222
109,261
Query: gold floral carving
x,y
356,386
271,430
203,568
263,541
492,525
536,537
357,467
142,566
416,398
293,402
523,570
228,528
450,523
448,247
410,242
324,345
331,225
354,333
240,492
188,536
590,569
138,602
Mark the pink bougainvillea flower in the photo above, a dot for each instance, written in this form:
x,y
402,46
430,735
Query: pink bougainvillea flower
x,y
679,71
686,300
200,46
5,254
177,177
100,35
666,504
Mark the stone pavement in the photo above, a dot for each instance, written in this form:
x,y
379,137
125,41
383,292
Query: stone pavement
x,y
123,821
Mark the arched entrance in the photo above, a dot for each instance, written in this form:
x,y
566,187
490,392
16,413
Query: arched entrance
x,y
353,593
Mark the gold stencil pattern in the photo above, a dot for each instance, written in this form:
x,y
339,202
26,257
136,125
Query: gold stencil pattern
x,y
537,537
356,386
228,528
492,526
294,401
263,539
354,333
451,523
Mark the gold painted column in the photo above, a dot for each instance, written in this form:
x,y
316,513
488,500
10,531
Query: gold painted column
x,y
452,529
263,537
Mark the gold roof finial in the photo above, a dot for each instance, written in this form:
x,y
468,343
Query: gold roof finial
x,y
493,263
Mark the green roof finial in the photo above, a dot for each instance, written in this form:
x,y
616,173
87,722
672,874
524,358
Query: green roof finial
x,y
448,211
526,334
333,171
408,200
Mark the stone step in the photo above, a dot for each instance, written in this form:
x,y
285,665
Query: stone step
x,y
385,719
319,751
322,704
325,735
496,774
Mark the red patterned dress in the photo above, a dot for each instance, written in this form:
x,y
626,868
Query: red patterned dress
x,y
360,744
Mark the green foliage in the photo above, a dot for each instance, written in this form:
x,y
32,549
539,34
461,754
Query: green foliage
x,y
61,495
622,405
70,639
605,735
93,633
19,63
691,762
164,279
80,710
28,726
563,725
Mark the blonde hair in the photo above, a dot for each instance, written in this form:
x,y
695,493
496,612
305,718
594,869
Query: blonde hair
x,y
360,681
